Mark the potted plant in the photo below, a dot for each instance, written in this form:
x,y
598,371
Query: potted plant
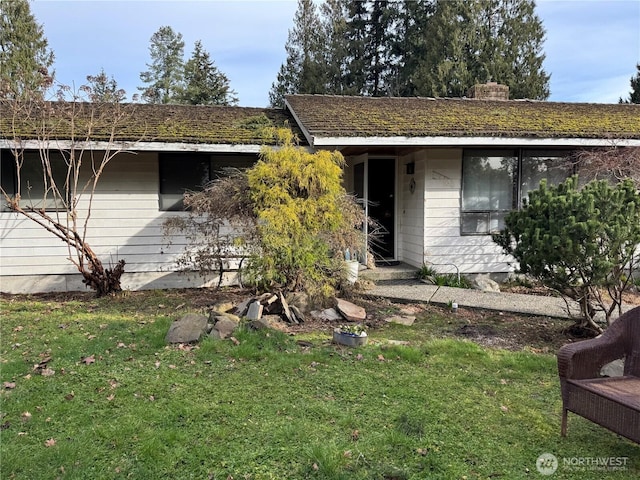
x,y
352,335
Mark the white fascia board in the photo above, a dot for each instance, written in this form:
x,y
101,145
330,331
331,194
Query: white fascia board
x,y
132,146
340,142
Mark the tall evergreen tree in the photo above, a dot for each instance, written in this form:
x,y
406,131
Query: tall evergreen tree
x,y
357,71
634,96
411,46
25,56
417,47
378,51
166,71
204,84
102,89
485,40
333,17
302,71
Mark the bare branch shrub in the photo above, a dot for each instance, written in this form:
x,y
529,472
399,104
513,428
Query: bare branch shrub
x,y
74,141
613,163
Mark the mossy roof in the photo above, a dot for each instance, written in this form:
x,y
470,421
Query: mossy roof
x,y
340,116
148,123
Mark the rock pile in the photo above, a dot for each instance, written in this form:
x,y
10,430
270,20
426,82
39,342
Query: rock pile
x,y
269,310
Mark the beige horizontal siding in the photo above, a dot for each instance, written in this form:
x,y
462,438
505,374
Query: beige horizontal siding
x,y
125,223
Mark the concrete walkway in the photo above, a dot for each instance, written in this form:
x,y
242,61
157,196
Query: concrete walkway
x,y
418,292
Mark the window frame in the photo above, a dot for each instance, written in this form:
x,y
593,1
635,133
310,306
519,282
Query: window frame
x,y
213,164
9,179
517,189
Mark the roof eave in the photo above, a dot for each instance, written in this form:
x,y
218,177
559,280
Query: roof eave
x,y
444,141
134,146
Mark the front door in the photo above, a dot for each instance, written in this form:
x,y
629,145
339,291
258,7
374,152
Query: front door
x,y
375,182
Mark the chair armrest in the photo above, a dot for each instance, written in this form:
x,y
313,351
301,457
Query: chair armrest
x,y
585,359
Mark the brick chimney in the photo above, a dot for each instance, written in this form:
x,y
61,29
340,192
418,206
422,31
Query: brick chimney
x,y
489,91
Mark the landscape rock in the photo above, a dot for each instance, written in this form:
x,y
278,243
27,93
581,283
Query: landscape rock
x,y
350,311
484,283
225,326
300,300
242,308
286,310
268,322
401,319
255,310
187,329
297,313
327,315
223,307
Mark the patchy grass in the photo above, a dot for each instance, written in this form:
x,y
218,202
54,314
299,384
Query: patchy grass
x,y
90,390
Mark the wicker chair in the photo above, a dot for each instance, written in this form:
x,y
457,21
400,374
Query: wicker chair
x,y
612,402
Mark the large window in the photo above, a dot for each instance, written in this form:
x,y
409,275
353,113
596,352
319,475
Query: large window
x,y
37,190
494,182
184,172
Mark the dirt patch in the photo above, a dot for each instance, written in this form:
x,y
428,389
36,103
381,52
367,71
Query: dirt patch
x,y
486,327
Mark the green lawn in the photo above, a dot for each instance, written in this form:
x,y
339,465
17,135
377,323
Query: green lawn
x,y
115,402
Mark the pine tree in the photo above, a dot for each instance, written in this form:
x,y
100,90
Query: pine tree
x,y
484,40
336,54
302,71
25,57
102,89
166,70
579,242
204,84
634,96
357,71
411,46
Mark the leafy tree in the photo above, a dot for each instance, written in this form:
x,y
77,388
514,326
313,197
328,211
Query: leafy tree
x,y
204,83
25,57
302,71
582,243
102,89
165,76
634,96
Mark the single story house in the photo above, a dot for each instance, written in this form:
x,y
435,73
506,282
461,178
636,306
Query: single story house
x,y
438,174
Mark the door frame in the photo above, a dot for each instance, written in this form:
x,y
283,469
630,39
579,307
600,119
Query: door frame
x,y
365,159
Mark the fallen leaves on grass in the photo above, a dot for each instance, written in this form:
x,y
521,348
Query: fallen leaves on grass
x,y
89,360
50,443
9,385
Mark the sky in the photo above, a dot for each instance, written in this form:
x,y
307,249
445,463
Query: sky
x,y
591,47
